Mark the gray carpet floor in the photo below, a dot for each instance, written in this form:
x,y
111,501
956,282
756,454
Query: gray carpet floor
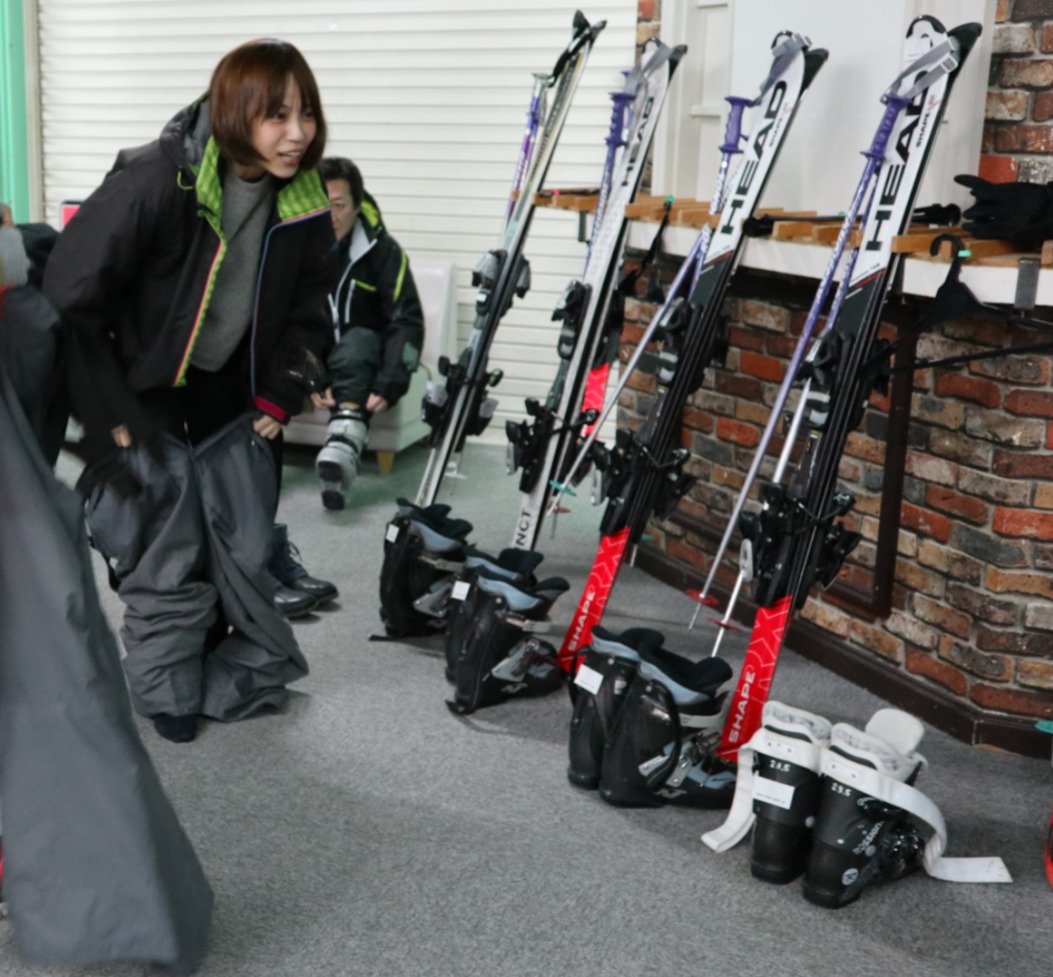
x,y
367,832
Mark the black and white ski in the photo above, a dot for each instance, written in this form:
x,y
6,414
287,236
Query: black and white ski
x,y
644,471
458,406
539,447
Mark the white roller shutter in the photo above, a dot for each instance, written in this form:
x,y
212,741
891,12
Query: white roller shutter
x,y
428,98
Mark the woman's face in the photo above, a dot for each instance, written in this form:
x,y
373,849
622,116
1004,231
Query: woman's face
x,y
281,139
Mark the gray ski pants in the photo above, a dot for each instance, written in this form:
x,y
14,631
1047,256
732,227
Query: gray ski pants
x,y
190,554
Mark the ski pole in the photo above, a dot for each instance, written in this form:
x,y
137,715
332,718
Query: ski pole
x,y
692,264
927,69
615,141
526,150
875,156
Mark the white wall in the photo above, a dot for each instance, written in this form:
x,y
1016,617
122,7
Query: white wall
x,y
820,163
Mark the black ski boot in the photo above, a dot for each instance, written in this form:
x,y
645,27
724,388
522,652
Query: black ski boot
x,y
423,551
786,790
657,750
859,838
501,654
515,566
602,672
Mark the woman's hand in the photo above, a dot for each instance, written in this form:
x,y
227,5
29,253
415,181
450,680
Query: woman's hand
x,y
375,404
266,427
321,400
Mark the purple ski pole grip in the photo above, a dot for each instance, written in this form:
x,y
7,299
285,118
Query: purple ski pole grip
x,y
733,130
894,105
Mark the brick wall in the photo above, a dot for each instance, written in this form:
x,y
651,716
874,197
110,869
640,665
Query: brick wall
x,y
972,599
971,613
1018,134
648,20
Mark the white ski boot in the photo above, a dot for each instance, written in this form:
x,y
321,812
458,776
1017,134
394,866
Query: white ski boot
x,y
337,462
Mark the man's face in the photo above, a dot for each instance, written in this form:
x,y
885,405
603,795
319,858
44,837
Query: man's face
x,y
343,208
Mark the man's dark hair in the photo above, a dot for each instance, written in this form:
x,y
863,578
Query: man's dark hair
x,y
341,168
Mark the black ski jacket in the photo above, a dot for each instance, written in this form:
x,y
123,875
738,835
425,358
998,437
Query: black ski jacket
x,y
132,275
376,291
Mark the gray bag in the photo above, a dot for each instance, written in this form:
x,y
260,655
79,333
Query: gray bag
x,y
96,865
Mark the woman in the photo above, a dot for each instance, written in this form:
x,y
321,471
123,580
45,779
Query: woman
x,y
192,288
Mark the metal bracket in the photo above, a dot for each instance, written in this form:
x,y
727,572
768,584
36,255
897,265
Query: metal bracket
x,y
1026,283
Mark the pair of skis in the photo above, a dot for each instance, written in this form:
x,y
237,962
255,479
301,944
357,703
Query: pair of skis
x,y
796,540
460,407
644,471
540,447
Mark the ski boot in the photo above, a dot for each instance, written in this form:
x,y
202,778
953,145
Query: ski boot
x,y
602,672
786,790
859,836
657,750
298,592
337,463
515,566
423,551
501,654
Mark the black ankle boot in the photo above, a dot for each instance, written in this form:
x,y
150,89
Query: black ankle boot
x,y
286,568
177,729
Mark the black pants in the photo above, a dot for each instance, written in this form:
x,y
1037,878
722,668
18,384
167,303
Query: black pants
x,y
354,363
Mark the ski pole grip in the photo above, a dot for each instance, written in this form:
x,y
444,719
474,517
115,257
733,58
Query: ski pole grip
x,y
893,106
733,130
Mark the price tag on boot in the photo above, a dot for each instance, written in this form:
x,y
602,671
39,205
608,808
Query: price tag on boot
x,y
392,534
589,679
772,792
461,590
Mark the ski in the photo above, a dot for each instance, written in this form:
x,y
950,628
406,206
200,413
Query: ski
x,y
644,471
795,540
458,406
538,448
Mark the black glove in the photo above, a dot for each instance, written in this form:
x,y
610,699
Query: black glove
x,y
1008,211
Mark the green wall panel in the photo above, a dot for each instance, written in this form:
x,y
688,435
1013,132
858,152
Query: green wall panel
x,y
14,168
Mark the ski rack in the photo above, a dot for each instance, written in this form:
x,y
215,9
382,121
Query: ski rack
x,y
453,410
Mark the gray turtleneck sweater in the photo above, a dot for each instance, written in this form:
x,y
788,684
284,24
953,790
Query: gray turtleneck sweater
x,y
245,210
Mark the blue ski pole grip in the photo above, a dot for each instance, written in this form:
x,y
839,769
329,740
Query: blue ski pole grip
x,y
733,130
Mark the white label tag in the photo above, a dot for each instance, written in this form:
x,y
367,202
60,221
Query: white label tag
x,y
589,679
772,792
461,590
392,534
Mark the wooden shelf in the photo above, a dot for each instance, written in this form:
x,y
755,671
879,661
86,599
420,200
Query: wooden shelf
x,y
800,247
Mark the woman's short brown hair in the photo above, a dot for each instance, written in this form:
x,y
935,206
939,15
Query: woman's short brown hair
x,y
249,84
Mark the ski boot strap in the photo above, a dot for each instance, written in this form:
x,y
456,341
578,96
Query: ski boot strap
x,y
787,734
889,790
